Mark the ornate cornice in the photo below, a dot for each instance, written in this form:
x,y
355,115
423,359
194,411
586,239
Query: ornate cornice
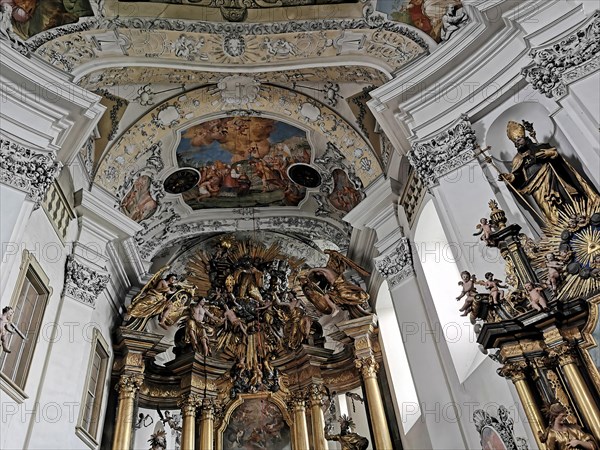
x,y
560,63
435,157
238,29
396,265
83,283
27,170
312,228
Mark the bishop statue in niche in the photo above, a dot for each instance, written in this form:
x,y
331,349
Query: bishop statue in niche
x,y
540,172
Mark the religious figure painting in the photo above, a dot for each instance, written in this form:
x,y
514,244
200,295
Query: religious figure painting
x,y
138,204
491,440
30,17
426,15
243,162
344,196
257,424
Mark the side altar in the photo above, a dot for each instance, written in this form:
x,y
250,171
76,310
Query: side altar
x,y
541,322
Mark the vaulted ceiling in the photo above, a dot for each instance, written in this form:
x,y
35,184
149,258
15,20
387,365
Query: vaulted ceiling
x,y
210,104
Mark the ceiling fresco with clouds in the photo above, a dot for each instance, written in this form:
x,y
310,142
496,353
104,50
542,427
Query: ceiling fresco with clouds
x,y
243,162
231,117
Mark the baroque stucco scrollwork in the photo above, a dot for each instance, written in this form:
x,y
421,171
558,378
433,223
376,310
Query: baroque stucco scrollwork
x,y
558,64
437,156
83,283
397,264
27,170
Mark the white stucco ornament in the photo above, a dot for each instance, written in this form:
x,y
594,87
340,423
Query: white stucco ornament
x,y
238,90
310,111
168,115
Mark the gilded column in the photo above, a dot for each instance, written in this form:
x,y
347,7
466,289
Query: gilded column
x,y
516,372
315,401
583,397
300,432
207,423
188,405
128,386
369,367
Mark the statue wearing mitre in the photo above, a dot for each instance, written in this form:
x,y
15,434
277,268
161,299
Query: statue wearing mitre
x,y
540,172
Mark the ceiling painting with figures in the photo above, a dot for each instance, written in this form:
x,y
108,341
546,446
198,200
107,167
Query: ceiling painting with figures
x,y
243,162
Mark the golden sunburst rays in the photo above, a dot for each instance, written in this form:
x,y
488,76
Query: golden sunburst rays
x,y
586,245
198,266
260,253
574,240
197,269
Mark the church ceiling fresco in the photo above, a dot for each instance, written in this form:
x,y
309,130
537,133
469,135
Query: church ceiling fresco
x,y
30,17
242,162
344,196
131,154
237,10
429,16
139,204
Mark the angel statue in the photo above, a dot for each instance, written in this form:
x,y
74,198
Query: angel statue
x,y
296,323
560,435
347,439
484,228
493,285
468,289
327,289
158,440
159,297
196,328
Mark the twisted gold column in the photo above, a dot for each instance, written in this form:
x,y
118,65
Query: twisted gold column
x,y
516,372
300,432
315,400
127,387
381,434
583,397
207,426
188,406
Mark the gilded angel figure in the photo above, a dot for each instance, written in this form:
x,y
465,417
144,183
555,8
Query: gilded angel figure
x,y
327,289
159,297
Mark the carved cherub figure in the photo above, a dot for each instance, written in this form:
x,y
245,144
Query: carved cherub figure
x,y
565,254
537,300
572,224
493,285
554,267
485,230
5,323
468,289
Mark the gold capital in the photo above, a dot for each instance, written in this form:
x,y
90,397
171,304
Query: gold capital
x,y
129,384
368,366
514,370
